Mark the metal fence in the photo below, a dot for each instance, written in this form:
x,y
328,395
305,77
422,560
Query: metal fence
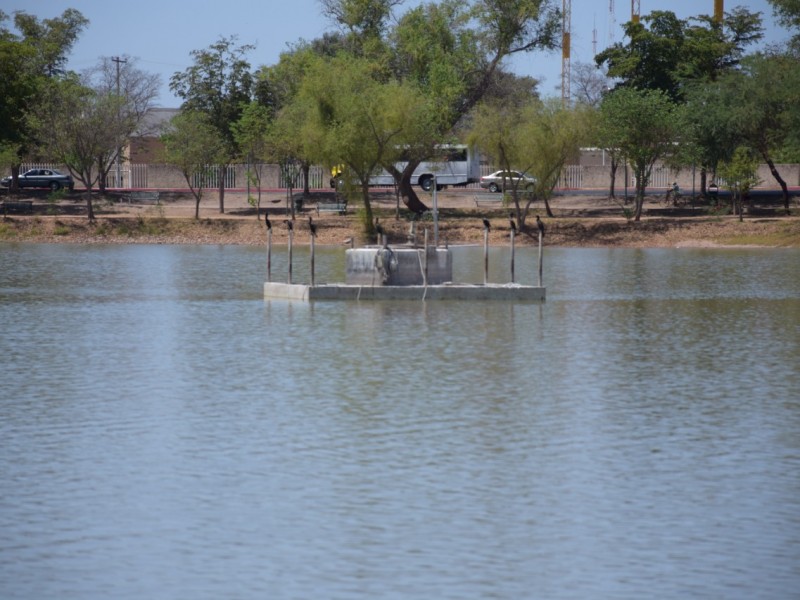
x,y
211,175
571,177
316,179
52,166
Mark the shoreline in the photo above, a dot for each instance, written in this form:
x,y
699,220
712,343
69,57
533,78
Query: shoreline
x,y
581,221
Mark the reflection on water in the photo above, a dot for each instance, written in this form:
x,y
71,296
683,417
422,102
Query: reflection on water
x,y
168,434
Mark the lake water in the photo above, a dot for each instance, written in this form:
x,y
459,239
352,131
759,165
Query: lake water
x,y
167,433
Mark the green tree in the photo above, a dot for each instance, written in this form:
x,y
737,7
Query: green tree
x,y
788,12
553,138
29,59
251,132
537,139
193,145
71,124
499,131
364,22
218,84
644,125
450,51
664,52
8,157
764,98
740,176
711,132
354,120
285,147
276,88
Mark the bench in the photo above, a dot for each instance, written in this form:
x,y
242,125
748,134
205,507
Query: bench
x,y
495,200
143,197
21,206
334,207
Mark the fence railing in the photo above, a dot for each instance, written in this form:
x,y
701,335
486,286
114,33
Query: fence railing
x,y
573,177
53,166
316,179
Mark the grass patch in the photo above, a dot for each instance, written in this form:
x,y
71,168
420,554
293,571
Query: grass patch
x,y
7,232
767,234
104,229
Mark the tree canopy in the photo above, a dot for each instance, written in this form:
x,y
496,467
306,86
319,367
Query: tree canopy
x,y
28,59
219,84
644,126
664,52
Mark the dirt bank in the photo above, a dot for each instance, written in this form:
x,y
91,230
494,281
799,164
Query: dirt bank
x,y
581,220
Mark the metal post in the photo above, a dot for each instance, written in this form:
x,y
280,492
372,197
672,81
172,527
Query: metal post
x,y
512,255
540,259
435,215
312,259
290,256
269,254
425,263
485,255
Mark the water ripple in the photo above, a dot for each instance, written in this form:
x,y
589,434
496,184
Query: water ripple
x,y
168,434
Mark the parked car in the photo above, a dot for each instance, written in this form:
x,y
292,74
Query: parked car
x,y
506,179
42,178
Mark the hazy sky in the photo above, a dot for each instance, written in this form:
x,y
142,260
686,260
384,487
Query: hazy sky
x,y
160,34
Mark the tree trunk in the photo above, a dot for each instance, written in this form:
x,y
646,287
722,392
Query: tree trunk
x,y
402,180
306,175
410,198
614,167
779,179
641,187
547,208
14,187
89,205
102,182
369,225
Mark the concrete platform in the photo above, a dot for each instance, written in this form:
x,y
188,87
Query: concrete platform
x,y
505,292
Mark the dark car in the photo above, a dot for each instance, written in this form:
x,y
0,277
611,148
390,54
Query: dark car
x,y
42,178
506,179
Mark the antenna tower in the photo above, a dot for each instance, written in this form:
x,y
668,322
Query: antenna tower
x,y
612,22
635,10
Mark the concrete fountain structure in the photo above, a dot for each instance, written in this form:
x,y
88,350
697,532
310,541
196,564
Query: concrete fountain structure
x,y
404,272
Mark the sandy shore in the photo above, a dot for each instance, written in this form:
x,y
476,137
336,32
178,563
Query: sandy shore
x,y
581,220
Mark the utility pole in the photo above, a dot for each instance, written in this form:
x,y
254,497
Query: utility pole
x,y
566,67
118,183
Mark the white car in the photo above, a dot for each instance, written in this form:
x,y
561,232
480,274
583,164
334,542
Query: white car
x,y
500,180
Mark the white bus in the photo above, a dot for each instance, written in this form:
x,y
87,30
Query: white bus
x,y
453,165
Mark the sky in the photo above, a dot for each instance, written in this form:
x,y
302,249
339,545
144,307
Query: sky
x,y
160,34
